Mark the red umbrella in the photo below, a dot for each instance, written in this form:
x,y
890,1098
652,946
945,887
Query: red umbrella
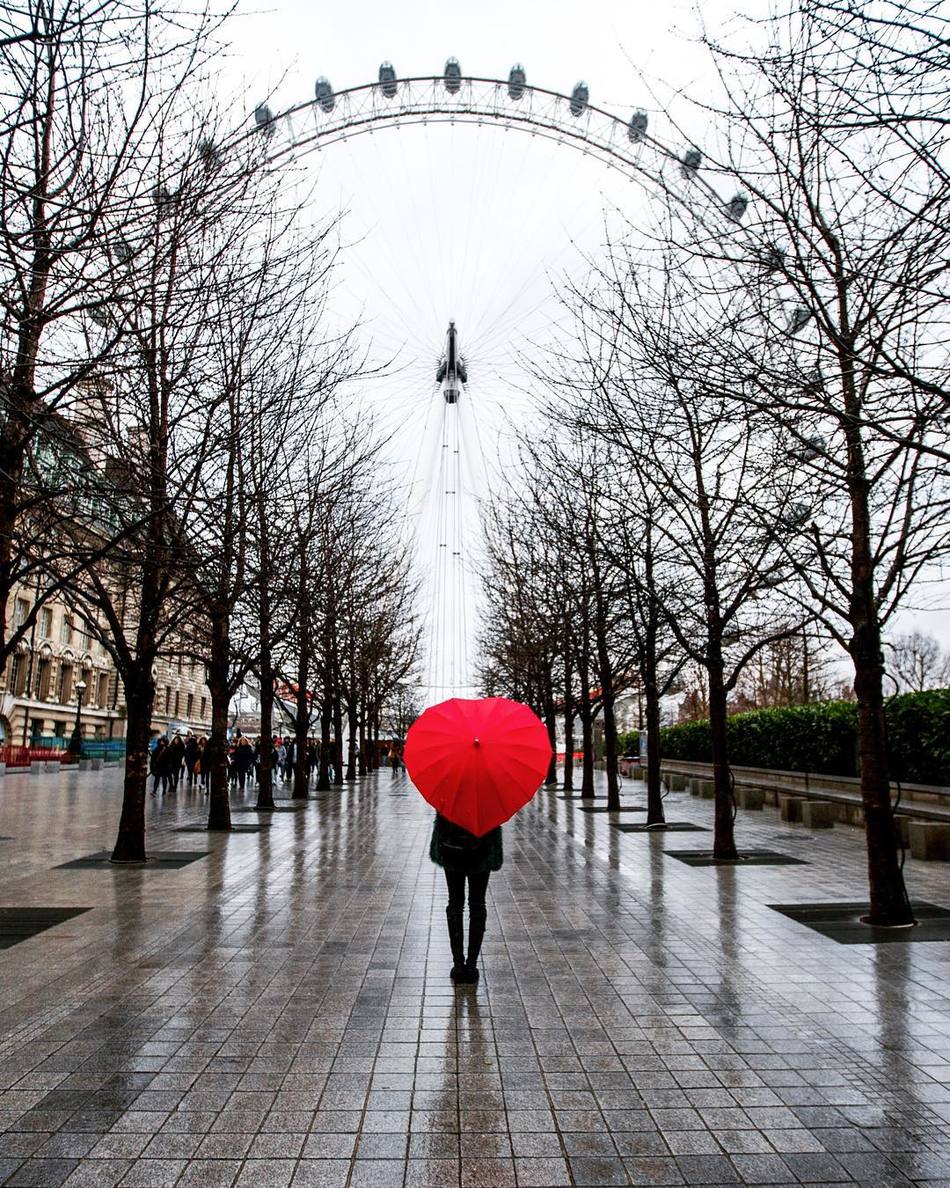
x,y
477,761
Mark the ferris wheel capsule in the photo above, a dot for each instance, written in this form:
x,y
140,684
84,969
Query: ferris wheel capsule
x,y
689,166
324,94
452,76
264,119
516,81
736,208
387,80
636,129
579,97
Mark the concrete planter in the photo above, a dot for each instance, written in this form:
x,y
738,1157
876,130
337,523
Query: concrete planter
x,y
3,769
96,764
85,764
57,766
750,798
37,765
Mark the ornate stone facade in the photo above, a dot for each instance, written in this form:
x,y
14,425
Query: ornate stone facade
x,y
38,686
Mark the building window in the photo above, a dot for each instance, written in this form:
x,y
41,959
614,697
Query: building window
x,y
66,630
190,709
204,708
46,623
102,697
181,665
21,609
16,681
65,683
176,703
59,730
41,680
36,728
168,698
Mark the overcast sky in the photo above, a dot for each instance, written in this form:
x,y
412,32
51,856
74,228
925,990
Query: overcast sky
x,y
473,224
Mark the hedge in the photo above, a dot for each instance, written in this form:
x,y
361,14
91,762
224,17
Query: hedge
x,y
823,738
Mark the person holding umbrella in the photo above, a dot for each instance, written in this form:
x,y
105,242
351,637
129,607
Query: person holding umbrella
x,y
465,857
477,762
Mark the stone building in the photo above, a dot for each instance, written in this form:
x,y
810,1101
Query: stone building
x,y
38,689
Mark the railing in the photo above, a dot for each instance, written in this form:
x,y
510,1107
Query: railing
x,y
50,750
103,748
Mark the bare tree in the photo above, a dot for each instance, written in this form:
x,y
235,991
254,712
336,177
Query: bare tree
x,y
918,663
844,275
87,89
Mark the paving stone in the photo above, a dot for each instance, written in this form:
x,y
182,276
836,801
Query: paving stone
x,y
637,1021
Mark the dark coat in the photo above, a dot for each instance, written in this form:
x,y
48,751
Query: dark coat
x,y
474,855
243,757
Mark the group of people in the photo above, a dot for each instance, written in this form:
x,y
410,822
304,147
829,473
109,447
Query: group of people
x,y
174,758
188,757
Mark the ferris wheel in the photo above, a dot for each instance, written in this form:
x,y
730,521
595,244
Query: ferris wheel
x,y
438,408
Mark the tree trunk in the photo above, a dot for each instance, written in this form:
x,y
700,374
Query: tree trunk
x,y
362,748
724,842
352,725
326,718
890,904
139,695
655,814
337,739
587,729
610,721
568,725
265,772
219,808
550,722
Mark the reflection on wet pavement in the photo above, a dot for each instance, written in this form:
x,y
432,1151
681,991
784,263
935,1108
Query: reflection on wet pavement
x,y
279,1012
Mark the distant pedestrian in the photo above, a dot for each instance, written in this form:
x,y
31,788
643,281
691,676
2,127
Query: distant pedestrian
x,y
191,756
176,759
203,763
242,761
159,766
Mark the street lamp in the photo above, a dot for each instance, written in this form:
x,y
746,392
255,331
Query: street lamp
x,y
75,743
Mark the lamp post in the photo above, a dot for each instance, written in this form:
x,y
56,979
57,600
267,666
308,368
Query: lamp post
x,y
75,743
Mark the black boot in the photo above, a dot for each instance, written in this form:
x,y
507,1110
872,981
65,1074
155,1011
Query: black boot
x,y
457,941
477,918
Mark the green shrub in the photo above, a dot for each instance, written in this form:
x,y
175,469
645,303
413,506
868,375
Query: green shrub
x,y
628,740
823,738
918,735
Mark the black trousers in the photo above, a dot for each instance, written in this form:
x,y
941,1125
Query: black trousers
x,y
477,912
477,889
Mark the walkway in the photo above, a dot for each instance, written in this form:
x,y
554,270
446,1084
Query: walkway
x,y
279,1011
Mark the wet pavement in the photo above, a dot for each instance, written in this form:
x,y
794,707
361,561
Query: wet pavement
x,y
279,1011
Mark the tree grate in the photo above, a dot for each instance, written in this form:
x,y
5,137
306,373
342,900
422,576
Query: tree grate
x,y
745,858
841,922
602,808
277,808
158,860
664,827
234,828
19,923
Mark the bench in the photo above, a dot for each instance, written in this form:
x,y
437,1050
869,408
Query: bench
x,y
750,797
818,814
790,807
929,841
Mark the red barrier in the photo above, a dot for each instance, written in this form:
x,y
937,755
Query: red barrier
x,y
14,756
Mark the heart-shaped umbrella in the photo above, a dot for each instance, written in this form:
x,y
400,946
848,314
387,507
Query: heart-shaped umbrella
x,y
477,761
